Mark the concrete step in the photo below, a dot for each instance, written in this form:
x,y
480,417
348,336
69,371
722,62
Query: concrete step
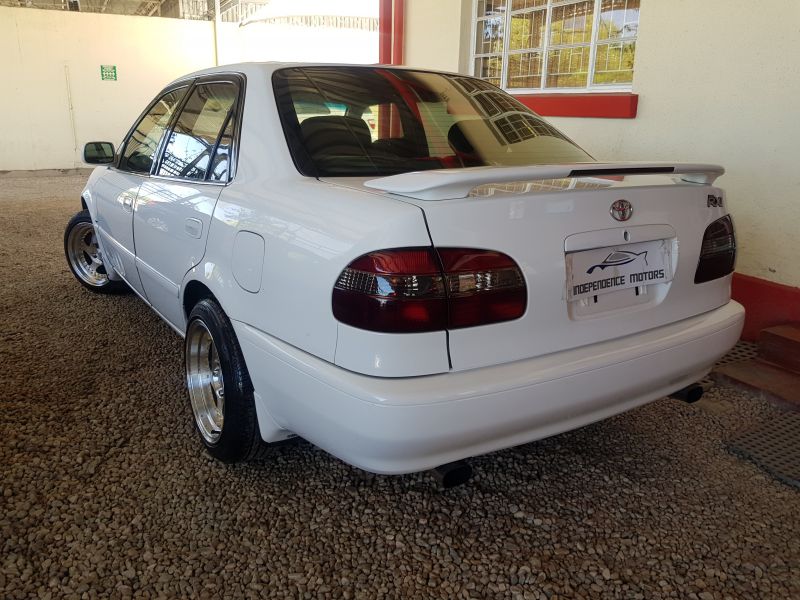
x,y
780,345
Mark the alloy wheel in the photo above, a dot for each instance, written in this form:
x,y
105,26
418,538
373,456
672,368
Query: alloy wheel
x,y
205,381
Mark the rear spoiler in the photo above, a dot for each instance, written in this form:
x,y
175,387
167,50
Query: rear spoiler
x,y
447,184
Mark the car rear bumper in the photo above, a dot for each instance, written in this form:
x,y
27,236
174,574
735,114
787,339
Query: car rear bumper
x,y
403,425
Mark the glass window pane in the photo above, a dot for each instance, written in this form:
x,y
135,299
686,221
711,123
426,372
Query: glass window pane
x,y
189,148
445,124
567,41
567,67
221,164
489,68
519,126
491,8
572,23
527,30
437,123
496,102
525,70
143,143
614,63
523,4
618,19
489,36
384,121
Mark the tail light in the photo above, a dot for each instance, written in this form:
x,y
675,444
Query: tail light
x,y
718,252
411,290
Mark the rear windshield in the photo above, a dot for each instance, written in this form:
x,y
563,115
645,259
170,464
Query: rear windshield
x,y
352,121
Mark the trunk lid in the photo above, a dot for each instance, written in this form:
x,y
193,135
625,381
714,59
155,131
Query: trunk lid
x,y
556,222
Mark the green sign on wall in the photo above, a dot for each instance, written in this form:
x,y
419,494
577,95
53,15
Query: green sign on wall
x,y
108,72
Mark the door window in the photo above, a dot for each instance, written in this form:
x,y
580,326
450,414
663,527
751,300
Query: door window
x,y
193,140
141,146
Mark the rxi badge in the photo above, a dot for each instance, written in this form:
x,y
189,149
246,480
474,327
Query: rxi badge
x,y
621,210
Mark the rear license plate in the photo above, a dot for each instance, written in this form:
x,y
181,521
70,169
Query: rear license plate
x,y
604,270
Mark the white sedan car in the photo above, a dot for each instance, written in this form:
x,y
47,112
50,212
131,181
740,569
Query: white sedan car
x,y
406,268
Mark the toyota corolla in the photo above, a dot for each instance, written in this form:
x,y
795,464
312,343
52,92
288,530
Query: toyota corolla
x,y
406,268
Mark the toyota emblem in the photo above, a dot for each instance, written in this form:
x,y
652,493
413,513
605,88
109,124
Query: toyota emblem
x,y
621,210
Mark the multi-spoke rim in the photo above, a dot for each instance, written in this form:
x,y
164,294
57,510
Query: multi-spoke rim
x,y
84,255
205,382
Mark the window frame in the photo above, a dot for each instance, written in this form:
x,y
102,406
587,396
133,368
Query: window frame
x,y
126,140
239,80
506,52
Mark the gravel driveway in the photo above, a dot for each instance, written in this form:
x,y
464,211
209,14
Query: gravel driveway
x,y
105,491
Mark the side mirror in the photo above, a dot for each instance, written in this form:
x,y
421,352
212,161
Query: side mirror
x,y
98,153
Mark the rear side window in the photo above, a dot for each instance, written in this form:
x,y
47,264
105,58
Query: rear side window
x,y
205,119
141,146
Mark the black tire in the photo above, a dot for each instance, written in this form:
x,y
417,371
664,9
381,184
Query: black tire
x,y
84,258
239,438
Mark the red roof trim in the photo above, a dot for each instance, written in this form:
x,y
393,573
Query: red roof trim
x,y
602,106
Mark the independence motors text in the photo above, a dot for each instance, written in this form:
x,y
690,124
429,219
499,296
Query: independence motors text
x,y
612,282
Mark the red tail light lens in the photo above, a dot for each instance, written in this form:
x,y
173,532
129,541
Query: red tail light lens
x,y
411,290
718,252
393,291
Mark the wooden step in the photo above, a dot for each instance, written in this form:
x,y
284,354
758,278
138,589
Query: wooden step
x,y
777,383
780,345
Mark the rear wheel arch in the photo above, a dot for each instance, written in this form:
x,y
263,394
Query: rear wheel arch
x,y
193,292
84,206
220,390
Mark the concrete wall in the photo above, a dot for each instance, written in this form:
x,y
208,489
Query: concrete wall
x,y
50,56
717,82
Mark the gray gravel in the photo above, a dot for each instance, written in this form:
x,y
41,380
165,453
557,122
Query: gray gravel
x,y
105,491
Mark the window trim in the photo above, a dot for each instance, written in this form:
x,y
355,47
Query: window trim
x,y
238,79
589,89
126,140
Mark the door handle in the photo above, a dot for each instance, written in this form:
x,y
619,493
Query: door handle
x,y
127,203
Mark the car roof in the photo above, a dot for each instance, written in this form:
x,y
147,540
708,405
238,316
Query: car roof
x,y
267,68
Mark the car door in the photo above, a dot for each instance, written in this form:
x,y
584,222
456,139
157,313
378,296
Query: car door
x,y
175,205
116,191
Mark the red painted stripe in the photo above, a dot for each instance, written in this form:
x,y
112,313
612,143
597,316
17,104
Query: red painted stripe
x,y
609,106
398,33
385,32
767,303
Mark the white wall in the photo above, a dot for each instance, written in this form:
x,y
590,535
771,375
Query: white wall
x,y
264,42
51,56
718,81
260,38
44,52
436,34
